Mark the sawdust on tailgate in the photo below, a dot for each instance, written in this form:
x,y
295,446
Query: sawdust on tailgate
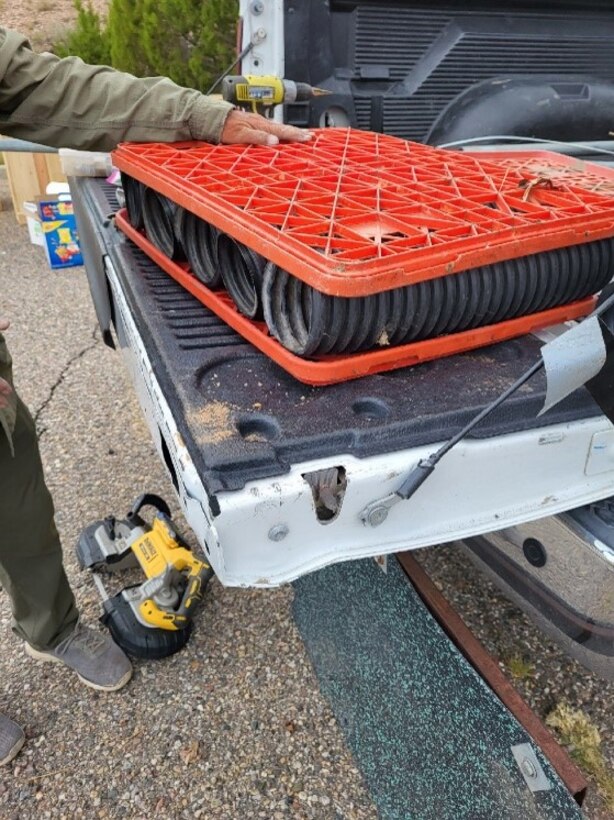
x,y
212,423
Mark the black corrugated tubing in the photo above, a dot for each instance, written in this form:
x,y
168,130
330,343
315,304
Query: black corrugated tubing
x,y
241,270
159,221
310,323
133,194
199,241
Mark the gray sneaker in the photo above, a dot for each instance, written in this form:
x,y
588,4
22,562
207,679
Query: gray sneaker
x,y
11,740
98,661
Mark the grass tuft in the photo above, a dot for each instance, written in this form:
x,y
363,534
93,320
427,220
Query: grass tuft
x,y
520,668
584,743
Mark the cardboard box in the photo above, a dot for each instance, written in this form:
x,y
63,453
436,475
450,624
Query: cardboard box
x,y
35,227
60,231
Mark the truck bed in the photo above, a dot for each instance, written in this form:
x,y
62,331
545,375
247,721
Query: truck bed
x,y
239,435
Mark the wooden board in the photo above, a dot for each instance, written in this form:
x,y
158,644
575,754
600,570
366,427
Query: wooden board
x,y
28,176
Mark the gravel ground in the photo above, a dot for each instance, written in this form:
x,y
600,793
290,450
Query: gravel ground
x,y
234,726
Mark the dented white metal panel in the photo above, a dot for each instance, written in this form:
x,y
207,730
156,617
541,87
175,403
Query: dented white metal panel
x,y
480,486
268,533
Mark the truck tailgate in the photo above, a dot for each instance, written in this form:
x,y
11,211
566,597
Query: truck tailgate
x,y
242,439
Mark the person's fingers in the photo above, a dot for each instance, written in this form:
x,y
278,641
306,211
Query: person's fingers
x,y
242,127
4,324
247,135
285,132
278,129
5,392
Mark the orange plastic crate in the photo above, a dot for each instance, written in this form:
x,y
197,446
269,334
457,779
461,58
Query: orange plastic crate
x,y
353,213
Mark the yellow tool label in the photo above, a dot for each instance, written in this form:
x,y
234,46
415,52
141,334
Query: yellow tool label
x,y
148,551
247,93
150,555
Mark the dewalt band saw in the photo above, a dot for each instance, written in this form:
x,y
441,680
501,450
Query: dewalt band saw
x,y
152,619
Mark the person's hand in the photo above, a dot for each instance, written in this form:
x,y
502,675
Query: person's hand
x,y
5,392
5,387
244,127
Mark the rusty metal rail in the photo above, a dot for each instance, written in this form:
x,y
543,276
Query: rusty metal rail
x,y
466,642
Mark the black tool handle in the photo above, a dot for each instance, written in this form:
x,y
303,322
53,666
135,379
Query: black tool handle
x,y
194,592
150,500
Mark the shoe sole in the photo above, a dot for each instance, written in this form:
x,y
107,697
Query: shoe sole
x,y
14,751
45,657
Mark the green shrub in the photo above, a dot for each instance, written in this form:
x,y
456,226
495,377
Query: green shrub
x,y
87,39
169,34
190,41
124,30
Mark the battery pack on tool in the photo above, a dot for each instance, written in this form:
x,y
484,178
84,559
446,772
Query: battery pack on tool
x,y
359,252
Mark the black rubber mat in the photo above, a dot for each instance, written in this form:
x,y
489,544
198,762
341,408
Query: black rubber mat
x,y
432,740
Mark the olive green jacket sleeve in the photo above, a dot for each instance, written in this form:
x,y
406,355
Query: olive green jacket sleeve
x,y
68,104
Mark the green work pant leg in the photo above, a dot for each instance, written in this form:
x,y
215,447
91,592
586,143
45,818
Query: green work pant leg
x,y
31,569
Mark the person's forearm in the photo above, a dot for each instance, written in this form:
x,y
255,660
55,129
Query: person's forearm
x,y
65,103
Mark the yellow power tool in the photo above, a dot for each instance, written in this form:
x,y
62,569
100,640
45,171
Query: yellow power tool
x,y
152,619
168,566
262,93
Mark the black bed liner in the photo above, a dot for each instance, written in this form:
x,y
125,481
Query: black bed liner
x,y
243,418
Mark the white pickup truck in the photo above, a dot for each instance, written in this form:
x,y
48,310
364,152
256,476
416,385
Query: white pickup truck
x,y
273,475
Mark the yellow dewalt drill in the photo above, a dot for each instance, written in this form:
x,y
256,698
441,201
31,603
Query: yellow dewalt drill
x,y
262,93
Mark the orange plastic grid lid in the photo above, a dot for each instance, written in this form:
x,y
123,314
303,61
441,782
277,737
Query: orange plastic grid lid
x,y
353,212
